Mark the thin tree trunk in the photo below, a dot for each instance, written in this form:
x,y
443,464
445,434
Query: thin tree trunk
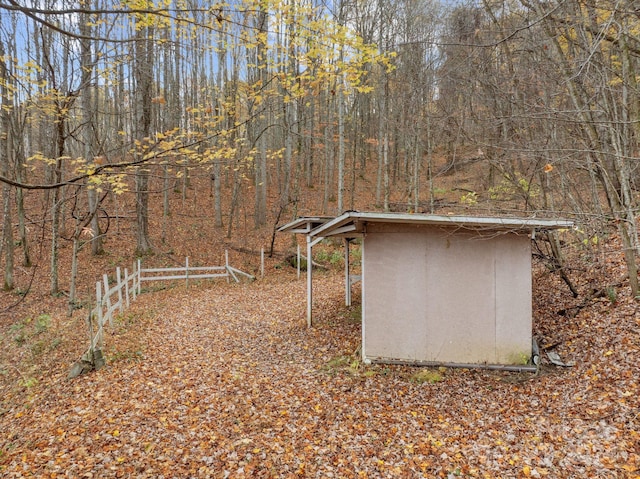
x,y
385,165
235,195
217,194
260,74
56,202
221,83
165,201
5,160
74,267
415,173
22,228
328,160
7,226
341,140
7,237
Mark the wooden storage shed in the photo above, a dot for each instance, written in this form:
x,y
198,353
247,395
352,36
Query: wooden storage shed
x,y
438,290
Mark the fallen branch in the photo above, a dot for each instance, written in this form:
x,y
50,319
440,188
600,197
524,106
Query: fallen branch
x,y
603,292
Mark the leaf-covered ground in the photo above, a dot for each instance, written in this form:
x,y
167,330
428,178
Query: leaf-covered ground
x,y
226,381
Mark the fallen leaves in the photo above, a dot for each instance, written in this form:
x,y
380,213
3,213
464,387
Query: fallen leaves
x,y
230,383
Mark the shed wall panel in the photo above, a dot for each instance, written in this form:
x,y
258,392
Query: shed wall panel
x,y
443,295
461,279
395,294
513,299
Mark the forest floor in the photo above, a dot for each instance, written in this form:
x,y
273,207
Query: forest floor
x,y
225,380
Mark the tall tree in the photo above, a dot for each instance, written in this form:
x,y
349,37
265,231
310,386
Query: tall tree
x,y
6,107
143,74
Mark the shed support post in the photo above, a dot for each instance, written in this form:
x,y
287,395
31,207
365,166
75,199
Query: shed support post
x,y
309,281
310,244
347,273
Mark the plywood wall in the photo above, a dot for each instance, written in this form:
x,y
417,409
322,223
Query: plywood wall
x,y
445,295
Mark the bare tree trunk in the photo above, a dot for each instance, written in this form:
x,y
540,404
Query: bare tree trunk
x,y
260,75
5,159
7,238
235,197
341,98
56,201
7,226
217,194
165,201
144,78
261,181
221,84
385,166
74,267
415,172
288,152
328,155
310,155
143,245
341,139
379,151
22,228
88,113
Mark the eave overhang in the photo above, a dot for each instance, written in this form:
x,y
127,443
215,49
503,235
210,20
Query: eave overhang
x,y
352,223
304,224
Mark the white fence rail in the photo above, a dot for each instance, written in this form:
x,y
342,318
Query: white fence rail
x,y
187,272
110,299
115,298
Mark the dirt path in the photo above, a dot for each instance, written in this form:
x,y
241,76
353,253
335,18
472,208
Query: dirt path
x,y
227,382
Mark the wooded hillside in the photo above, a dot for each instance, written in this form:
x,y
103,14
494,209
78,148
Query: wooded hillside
x,y
535,104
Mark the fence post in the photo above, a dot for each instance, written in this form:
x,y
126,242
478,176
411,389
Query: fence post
x,y
107,298
91,336
119,279
133,291
99,310
186,271
226,264
298,262
139,274
126,286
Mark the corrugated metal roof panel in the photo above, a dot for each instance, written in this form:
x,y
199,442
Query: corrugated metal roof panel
x,y
337,225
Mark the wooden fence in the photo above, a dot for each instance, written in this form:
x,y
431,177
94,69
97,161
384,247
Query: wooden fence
x,y
110,299
187,272
116,297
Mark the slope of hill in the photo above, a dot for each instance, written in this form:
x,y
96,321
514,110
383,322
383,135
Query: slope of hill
x,y
225,381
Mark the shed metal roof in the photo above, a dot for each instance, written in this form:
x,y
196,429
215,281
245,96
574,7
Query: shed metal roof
x,y
304,224
352,223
